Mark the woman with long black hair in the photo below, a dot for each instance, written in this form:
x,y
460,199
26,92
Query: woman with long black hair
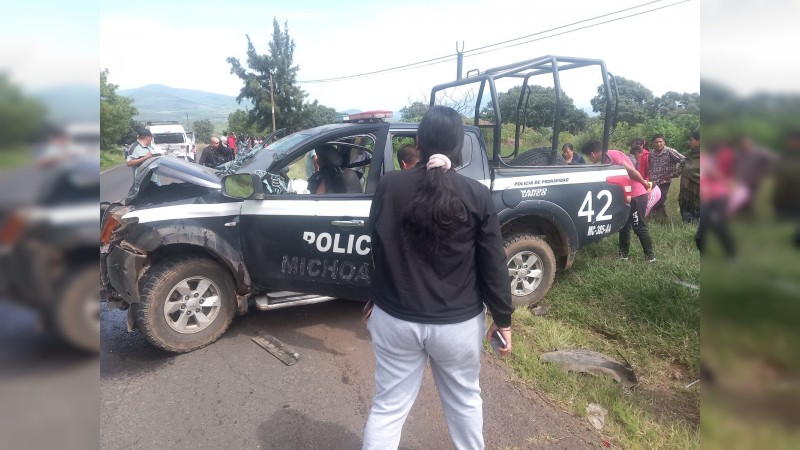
x,y
438,258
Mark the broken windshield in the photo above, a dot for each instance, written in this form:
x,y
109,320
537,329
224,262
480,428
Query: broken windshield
x,y
261,158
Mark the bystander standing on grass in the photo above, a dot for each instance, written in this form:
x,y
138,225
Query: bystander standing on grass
x,y
665,164
689,195
640,188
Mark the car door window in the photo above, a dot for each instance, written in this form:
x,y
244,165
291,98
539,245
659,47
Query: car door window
x,y
354,152
466,167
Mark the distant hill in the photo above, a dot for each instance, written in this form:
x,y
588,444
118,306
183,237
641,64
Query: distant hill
x,y
159,102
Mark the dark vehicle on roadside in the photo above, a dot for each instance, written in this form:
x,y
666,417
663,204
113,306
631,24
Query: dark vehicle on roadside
x,y
48,251
186,254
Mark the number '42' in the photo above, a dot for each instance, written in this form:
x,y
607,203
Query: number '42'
x,y
587,210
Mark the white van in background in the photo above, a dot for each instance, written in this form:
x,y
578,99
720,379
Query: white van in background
x,y
170,139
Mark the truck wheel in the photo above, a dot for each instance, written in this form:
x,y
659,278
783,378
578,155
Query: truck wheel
x,y
75,317
185,304
531,268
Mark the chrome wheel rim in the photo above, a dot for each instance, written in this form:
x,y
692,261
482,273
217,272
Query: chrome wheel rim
x,y
192,305
525,270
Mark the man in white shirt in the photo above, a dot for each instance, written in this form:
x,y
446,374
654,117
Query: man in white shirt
x,y
142,150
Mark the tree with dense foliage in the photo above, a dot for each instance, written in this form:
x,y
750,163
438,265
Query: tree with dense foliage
x,y
132,133
634,100
21,117
540,111
203,129
672,104
239,123
413,112
316,115
116,113
277,66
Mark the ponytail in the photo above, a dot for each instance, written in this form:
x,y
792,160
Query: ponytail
x,y
435,211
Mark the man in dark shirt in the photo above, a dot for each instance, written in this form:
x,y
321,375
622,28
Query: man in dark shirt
x,y
215,154
689,195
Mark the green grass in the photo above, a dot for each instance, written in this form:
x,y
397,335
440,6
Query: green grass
x,y
750,337
724,430
634,308
14,157
111,158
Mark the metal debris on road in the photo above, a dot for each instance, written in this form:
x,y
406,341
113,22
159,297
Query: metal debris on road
x,y
691,286
278,349
593,363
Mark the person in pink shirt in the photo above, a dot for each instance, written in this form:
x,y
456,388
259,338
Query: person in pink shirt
x,y
715,193
232,143
640,189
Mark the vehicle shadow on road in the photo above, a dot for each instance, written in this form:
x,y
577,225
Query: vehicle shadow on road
x,y
123,353
289,428
118,348
293,326
25,350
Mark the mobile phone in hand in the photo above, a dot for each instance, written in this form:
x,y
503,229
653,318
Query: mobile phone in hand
x,y
497,342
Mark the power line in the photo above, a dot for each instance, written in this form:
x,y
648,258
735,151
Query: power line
x,y
405,66
576,29
453,57
563,26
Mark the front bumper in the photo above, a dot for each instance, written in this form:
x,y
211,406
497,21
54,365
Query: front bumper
x,y
120,270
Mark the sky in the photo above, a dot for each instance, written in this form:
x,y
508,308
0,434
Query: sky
x,y
44,50
741,43
185,44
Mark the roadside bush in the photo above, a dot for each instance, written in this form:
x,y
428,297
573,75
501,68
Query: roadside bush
x,y
624,134
566,137
675,131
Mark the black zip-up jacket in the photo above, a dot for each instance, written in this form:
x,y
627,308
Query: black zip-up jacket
x,y
213,158
468,270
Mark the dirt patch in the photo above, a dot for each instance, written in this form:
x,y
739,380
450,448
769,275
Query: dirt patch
x,y
667,398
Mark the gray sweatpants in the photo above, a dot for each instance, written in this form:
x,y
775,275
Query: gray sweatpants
x,y
401,352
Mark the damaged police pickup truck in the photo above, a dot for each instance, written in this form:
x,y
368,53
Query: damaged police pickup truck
x,y
190,247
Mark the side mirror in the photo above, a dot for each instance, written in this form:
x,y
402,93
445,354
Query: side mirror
x,y
242,186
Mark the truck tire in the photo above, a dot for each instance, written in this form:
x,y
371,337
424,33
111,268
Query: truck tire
x,y
185,303
75,316
541,156
531,268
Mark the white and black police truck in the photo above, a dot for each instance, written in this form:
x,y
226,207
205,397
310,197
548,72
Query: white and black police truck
x,y
189,247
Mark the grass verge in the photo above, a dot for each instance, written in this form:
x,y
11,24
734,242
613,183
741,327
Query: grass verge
x,y
750,337
111,158
14,157
633,308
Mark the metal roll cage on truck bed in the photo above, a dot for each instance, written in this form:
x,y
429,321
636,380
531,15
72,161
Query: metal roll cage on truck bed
x,y
525,70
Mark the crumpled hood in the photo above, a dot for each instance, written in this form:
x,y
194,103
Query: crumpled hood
x,y
175,168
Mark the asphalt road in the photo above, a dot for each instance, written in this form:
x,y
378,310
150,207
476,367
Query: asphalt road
x,y
49,391
234,394
114,183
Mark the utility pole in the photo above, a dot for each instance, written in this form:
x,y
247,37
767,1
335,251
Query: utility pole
x,y
187,122
460,59
272,101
